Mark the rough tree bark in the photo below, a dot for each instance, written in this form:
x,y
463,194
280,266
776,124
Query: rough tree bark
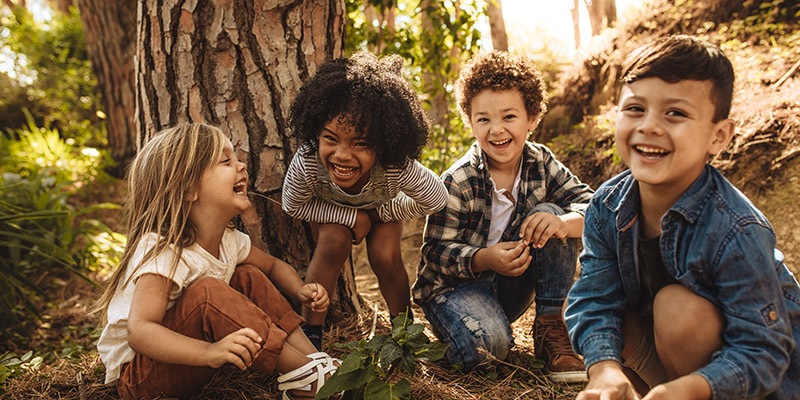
x,y
497,25
238,65
110,31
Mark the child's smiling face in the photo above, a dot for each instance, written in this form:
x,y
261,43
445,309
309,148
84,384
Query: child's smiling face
x,y
665,131
500,122
345,155
223,187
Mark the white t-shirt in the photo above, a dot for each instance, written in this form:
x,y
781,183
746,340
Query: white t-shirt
x,y
502,210
195,263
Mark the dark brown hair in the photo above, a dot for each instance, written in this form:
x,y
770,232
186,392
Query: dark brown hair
x,y
500,71
680,57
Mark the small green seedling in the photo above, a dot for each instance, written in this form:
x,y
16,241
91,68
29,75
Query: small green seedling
x,y
366,372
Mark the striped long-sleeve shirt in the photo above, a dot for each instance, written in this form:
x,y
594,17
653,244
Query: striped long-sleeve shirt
x,y
454,234
412,191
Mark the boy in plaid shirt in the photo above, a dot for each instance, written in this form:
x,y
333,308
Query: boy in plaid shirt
x,y
510,228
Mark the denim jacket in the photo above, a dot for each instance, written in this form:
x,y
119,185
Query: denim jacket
x,y
716,243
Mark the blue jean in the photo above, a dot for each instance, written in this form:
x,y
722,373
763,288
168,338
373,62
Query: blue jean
x,y
478,314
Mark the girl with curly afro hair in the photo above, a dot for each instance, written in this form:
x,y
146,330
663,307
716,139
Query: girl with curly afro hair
x,y
355,176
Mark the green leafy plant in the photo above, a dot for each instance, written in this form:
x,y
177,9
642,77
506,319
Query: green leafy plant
x,y
11,365
367,372
39,230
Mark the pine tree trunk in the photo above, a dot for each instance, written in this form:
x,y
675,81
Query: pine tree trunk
x,y
576,23
497,25
110,31
596,12
238,65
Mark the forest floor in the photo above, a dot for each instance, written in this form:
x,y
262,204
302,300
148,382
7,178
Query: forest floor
x,y
74,370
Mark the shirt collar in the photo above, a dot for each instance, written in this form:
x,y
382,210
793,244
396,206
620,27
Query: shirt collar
x,y
624,199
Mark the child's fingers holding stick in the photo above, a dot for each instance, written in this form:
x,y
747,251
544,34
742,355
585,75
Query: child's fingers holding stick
x,y
238,348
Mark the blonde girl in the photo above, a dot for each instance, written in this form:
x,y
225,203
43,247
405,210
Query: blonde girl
x,y
191,294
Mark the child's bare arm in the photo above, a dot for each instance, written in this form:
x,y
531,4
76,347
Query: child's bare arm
x,y
148,337
286,280
690,387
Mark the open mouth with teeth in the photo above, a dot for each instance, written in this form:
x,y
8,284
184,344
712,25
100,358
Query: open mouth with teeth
x,y
344,171
652,153
500,143
240,187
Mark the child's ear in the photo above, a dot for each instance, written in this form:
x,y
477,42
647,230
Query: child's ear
x,y
723,133
191,197
533,122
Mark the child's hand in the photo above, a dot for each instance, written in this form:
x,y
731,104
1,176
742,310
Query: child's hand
x,y
363,225
315,296
505,258
541,226
238,348
608,382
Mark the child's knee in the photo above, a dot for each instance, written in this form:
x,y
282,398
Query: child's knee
x,y
385,256
550,208
679,314
481,340
334,239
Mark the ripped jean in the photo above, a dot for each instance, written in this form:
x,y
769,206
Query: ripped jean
x,y
478,313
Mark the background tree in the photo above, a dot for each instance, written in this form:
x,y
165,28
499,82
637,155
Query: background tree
x,y
239,65
576,22
110,31
497,25
602,14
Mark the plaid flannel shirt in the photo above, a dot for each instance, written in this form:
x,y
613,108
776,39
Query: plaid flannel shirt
x,y
456,232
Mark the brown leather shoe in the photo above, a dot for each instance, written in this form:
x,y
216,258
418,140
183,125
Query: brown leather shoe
x,y
551,344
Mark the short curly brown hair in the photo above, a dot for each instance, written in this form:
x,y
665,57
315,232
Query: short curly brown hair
x,y
371,95
500,71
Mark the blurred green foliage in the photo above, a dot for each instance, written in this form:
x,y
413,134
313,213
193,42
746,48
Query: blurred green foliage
x,y
40,231
50,76
435,40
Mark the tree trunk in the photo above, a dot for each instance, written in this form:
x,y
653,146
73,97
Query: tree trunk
x,y
238,65
610,12
497,25
110,31
384,16
596,12
576,22
434,81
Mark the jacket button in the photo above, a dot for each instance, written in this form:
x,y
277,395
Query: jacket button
x,y
773,315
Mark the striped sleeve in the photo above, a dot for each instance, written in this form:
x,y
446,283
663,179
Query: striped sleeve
x,y
298,195
421,193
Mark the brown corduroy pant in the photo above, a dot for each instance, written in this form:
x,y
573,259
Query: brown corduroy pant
x,y
209,309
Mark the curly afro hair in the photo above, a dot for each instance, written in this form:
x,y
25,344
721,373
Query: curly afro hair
x,y
500,71
372,96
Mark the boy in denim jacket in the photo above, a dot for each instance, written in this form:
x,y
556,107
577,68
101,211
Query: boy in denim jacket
x,y
510,227
682,291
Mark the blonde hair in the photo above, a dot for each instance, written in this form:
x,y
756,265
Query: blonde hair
x,y
161,179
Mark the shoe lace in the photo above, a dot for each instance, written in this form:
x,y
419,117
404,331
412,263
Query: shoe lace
x,y
554,336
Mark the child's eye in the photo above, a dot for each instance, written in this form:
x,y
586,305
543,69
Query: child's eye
x,y
676,113
483,119
329,138
633,109
362,145
510,116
